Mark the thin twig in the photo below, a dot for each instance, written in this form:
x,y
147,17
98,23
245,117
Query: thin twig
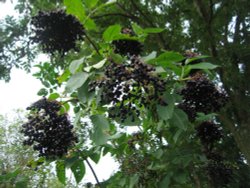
x,y
92,170
92,43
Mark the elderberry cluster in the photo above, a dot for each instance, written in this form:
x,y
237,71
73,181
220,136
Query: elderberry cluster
x,y
129,87
201,95
56,31
218,171
127,47
49,133
209,132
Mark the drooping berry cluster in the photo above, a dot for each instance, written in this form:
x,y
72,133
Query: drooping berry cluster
x,y
49,133
127,47
219,173
56,31
209,132
217,170
201,95
128,87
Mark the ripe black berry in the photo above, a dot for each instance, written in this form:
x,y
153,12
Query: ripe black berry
x,y
129,87
49,132
56,31
209,132
127,47
201,95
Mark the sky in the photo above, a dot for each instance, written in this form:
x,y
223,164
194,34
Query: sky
x,y
22,90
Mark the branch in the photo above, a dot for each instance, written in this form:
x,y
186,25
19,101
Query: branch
x,y
92,170
161,40
92,43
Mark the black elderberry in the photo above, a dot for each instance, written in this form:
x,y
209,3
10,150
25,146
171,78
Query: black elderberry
x,y
201,95
219,173
127,47
49,132
124,88
56,31
209,132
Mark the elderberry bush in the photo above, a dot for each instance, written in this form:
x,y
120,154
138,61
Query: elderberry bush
x,y
49,132
56,31
201,95
127,47
129,87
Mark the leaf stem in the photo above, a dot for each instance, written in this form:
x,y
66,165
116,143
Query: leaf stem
x,y
92,170
92,43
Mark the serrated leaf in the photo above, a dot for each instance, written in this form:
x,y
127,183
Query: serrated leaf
x,y
78,169
179,119
61,171
42,92
111,32
204,65
74,65
91,3
89,24
76,81
64,76
101,127
133,180
76,8
165,182
153,30
167,58
177,135
166,112
84,95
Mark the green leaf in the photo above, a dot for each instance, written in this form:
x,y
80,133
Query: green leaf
x,y
101,127
179,119
96,66
181,177
74,65
53,96
76,8
42,92
89,24
84,95
91,3
99,64
111,32
61,171
64,76
133,180
165,182
76,81
177,135
166,112
78,170
153,30
195,58
203,66
151,56
167,58
21,182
